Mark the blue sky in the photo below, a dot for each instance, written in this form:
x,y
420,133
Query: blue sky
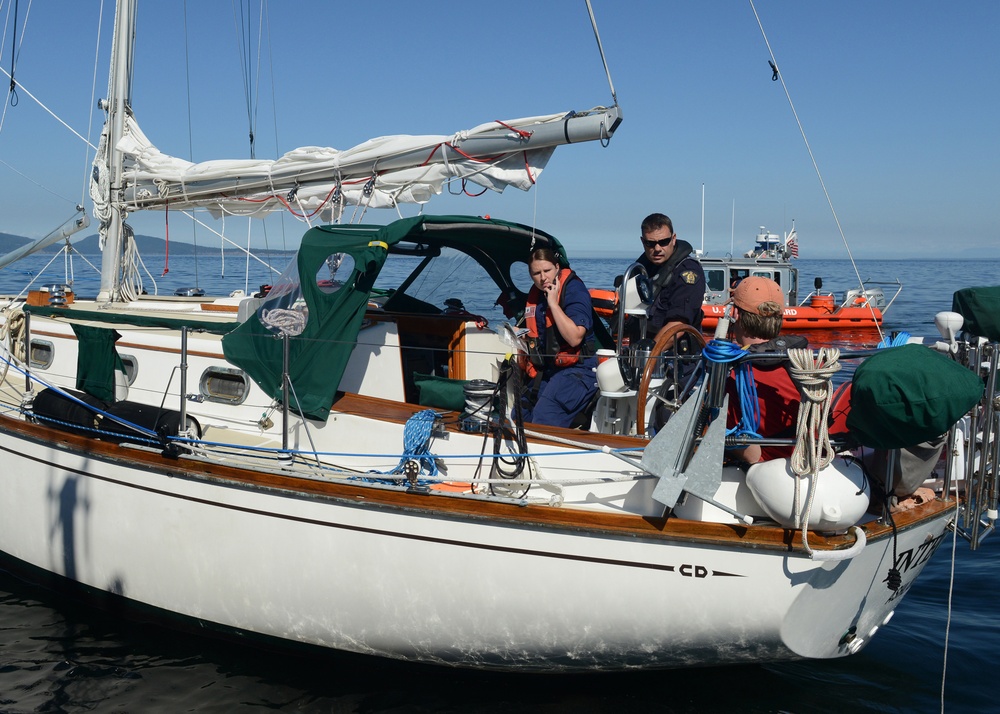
x,y
898,100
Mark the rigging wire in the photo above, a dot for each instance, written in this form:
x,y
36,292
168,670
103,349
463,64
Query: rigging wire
x,y
87,160
274,116
14,51
777,76
187,84
600,48
49,112
244,28
947,626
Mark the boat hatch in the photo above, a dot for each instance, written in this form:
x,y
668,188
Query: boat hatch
x,y
225,385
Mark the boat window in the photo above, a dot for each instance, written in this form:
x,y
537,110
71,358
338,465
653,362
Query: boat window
x,y
452,281
736,275
716,280
131,368
520,276
224,384
41,354
332,274
398,267
284,311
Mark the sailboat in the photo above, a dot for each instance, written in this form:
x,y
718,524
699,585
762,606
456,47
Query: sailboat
x,y
341,463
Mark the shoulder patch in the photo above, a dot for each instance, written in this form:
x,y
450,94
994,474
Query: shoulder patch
x,y
689,277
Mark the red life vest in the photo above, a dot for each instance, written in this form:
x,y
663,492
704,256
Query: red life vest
x,y
555,350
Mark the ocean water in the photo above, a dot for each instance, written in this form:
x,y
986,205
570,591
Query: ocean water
x,y
937,653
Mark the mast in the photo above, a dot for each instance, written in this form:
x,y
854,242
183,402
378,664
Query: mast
x,y
116,105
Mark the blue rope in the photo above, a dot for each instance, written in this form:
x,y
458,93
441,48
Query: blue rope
x,y
746,388
152,436
724,352
416,446
417,441
901,338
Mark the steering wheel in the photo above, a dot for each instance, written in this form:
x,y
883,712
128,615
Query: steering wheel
x,y
668,336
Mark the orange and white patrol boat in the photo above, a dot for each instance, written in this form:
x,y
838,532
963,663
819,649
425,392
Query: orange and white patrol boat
x,y
861,307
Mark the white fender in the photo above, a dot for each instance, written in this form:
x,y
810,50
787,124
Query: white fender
x,y
842,493
121,386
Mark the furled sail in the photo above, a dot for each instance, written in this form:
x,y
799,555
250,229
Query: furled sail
x,y
378,173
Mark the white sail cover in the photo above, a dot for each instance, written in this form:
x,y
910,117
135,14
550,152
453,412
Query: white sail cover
x,y
378,173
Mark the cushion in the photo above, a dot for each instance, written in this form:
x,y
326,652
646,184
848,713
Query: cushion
x,y
440,392
981,309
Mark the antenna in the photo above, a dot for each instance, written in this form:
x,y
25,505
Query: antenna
x,y
703,218
732,231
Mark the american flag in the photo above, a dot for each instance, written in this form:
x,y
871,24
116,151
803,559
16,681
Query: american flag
x,y
792,244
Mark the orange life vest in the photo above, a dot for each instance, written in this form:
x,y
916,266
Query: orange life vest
x,y
555,350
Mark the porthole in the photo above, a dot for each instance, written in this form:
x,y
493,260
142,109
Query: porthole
x,y
335,270
225,385
41,354
131,368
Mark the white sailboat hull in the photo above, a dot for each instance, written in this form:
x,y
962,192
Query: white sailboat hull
x,y
399,581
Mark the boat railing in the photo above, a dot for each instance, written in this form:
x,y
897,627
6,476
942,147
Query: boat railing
x,y
973,444
876,286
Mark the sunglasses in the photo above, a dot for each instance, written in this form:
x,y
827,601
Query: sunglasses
x,y
661,243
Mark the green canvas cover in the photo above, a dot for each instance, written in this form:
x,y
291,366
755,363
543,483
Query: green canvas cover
x,y
907,395
333,316
97,361
319,354
981,309
440,392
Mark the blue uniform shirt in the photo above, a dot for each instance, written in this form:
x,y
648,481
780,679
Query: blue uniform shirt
x,y
681,298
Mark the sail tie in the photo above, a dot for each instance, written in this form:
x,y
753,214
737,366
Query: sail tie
x,y
522,133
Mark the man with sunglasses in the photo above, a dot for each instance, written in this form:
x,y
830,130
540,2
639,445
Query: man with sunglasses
x,y
677,277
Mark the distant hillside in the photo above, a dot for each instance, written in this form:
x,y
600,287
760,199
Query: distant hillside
x,y
9,242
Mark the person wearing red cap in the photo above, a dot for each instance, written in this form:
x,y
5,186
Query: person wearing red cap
x,y
758,304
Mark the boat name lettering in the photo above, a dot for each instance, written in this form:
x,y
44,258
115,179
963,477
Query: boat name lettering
x,y
916,557
693,571
791,311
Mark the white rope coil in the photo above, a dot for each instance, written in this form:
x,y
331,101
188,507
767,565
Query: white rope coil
x,y
813,377
813,374
287,322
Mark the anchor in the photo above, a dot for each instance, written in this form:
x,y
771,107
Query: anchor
x,y
665,455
